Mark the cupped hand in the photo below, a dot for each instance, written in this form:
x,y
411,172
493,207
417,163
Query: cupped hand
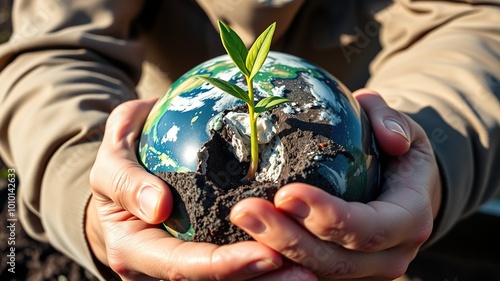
x,y
336,239
128,203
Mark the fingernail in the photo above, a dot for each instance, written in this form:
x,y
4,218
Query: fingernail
x,y
262,266
295,207
393,126
148,200
250,223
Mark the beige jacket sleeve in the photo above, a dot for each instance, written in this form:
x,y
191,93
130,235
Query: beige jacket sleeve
x,y
67,65
441,65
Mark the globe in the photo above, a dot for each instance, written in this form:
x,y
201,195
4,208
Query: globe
x,y
184,120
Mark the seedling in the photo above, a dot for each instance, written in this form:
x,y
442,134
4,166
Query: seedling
x,y
249,62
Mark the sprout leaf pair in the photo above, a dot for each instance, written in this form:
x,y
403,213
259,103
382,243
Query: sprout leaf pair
x,y
249,62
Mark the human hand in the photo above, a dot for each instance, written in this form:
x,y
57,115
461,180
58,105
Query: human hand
x,y
348,240
128,203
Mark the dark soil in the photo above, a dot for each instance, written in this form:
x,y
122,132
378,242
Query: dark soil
x,y
207,198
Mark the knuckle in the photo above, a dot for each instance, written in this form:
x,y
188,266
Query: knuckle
x,y
118,264
332,232
119,113
373,242
291,248
174,275
118,126
120,181
120,269
424,234
335,226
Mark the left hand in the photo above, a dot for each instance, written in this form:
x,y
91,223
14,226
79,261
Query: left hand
x,y
121,222
336,239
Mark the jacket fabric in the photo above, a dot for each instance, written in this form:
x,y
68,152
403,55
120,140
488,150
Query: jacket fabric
x,y
69,63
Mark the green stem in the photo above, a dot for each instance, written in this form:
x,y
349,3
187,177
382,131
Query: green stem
x,y
254,144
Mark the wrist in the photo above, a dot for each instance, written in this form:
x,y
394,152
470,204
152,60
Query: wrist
x,y
93,233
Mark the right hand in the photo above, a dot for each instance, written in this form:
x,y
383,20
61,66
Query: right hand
x,y
127,204
343,240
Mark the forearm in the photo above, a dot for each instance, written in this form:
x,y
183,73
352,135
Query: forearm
x,y
442,70
60,79
51,133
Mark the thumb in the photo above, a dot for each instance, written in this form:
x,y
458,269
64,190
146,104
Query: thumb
x,y
117,179
390,127
125,185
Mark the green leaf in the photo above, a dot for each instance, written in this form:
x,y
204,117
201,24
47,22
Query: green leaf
x,y
234,46
227,87
259,50
268,103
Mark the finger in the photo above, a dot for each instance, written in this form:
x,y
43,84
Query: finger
x,y
378,225
288,273
389,127
124,124
117,175
269,226
151,253
260,219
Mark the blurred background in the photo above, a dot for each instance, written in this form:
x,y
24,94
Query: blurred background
x,y
5,26
471,251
